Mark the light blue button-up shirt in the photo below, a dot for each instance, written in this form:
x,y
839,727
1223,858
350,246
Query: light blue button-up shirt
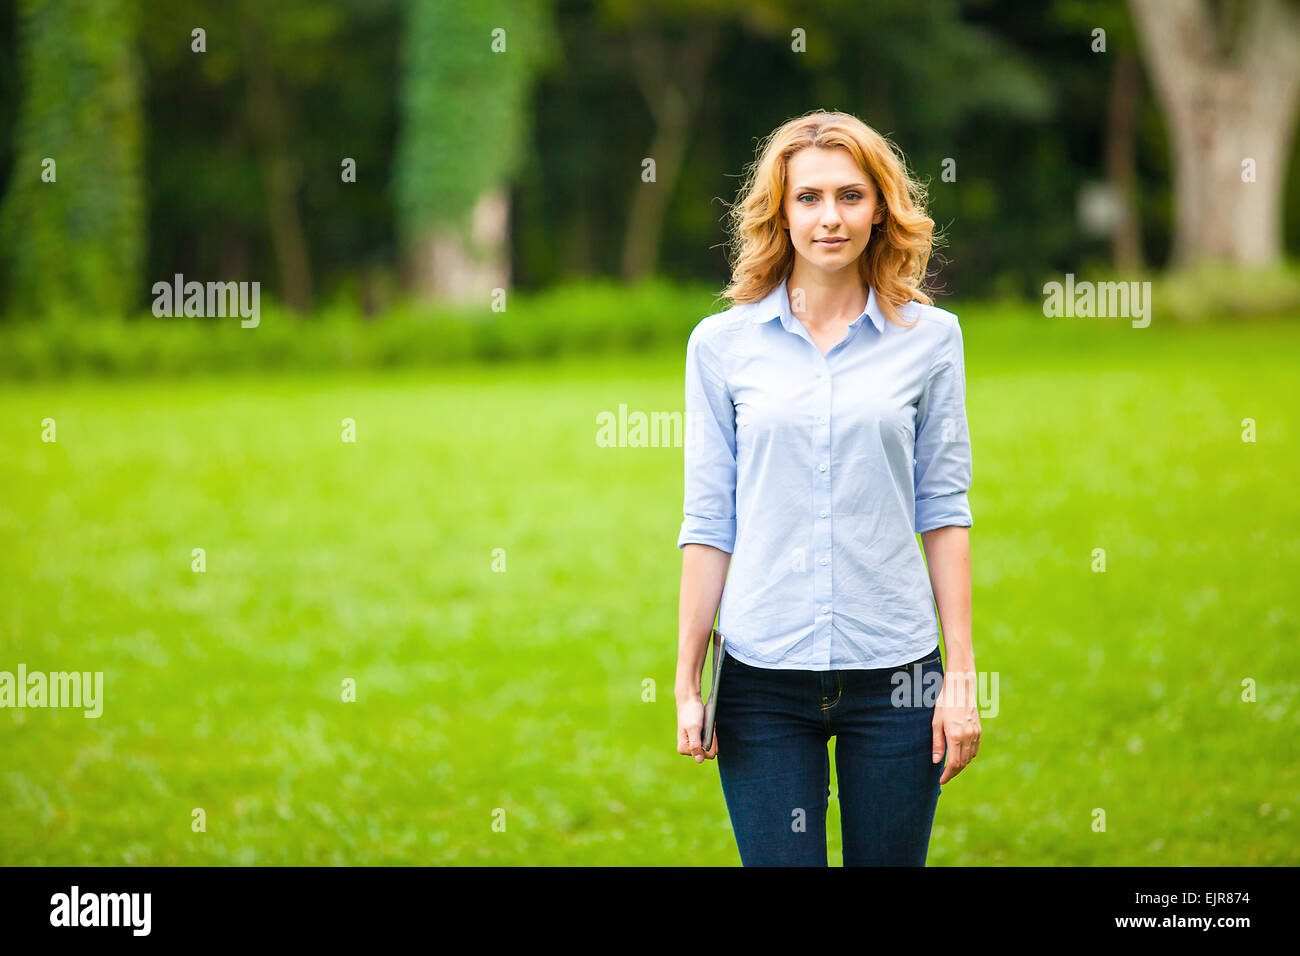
x,y
817,473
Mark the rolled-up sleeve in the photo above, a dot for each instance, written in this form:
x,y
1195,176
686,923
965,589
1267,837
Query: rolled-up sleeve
x,y
709,504
943,454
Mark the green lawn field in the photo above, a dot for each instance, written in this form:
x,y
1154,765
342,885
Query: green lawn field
x,y
501,591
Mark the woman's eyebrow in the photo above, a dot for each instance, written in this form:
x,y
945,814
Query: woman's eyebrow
x,y
814,190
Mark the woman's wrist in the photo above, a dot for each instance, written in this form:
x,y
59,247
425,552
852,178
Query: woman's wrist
x,y
684,687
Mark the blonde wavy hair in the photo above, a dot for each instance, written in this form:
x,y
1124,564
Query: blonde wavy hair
x,y
894,262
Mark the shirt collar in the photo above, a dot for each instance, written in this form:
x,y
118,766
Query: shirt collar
x,y
776,305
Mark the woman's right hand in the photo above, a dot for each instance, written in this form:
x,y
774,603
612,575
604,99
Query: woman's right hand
x,y
690,728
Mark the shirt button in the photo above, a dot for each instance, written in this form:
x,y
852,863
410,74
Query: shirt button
x,y
821,419
826,560
826,609
822,466
823,512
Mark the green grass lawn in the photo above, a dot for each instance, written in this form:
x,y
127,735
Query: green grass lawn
x,y
484,695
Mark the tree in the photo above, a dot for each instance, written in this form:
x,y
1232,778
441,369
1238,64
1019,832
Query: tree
x,y
1228,75
272,41
671,78
72,222
870,57
1108,29
246,140
467,72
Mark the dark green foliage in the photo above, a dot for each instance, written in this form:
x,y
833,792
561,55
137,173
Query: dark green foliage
x,y
76,243
574,318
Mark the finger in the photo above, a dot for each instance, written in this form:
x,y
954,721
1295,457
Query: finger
x,y
960,756
936,741
951,768
955,761
713,750
688,742
693,743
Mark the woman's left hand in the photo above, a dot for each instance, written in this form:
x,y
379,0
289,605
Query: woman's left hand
x,y
956,721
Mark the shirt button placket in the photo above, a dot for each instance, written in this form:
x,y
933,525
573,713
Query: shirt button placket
x,y
822,508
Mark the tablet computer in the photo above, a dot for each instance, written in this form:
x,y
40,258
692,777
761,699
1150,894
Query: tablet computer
x,y
711,708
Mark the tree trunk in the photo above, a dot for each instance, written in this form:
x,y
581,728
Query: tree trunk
x,y
449,266
279,172
1223,109
672,85
1121,161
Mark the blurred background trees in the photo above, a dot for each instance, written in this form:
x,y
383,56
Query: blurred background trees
x,y
506,143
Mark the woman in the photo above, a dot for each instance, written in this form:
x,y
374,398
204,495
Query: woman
x,y
826,427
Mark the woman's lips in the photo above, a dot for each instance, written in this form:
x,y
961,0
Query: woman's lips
x,y
832,245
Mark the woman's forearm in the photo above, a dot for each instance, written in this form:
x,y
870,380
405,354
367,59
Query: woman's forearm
x,y
704,572
947,556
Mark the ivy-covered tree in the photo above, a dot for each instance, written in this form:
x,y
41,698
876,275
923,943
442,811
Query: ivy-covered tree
x,y
72,224
465,109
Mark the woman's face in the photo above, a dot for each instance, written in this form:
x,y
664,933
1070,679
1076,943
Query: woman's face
x,y
827,196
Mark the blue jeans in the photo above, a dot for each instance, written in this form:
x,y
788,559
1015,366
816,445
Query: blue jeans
x,y
773,726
